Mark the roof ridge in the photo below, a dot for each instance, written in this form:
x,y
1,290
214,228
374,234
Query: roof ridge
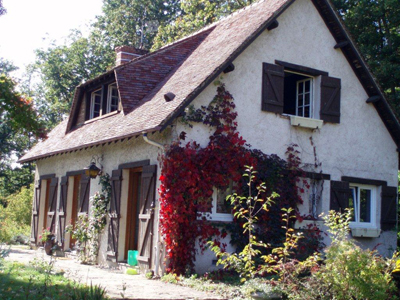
x,y
214,24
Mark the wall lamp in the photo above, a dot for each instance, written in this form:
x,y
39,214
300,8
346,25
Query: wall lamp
x,y
92,170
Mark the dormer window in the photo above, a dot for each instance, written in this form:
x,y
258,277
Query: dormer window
x,y
113,98
95,104
102,101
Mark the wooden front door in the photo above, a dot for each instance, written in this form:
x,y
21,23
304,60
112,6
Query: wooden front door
x,y
132,226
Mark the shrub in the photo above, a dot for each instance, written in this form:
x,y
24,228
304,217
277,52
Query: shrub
x,y
348,272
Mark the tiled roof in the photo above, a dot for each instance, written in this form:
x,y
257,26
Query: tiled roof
x,y
181,68
185,68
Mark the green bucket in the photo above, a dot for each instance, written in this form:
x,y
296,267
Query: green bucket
x,y
132,257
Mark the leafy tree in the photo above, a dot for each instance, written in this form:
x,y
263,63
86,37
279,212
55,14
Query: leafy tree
x,y
19,126
375,26
133,22
193,16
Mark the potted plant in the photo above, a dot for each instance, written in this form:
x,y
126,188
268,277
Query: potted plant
x,y
48,240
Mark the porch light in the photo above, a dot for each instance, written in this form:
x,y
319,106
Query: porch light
x,y
92,170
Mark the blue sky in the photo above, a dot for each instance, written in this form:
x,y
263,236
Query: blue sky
x,y
32,24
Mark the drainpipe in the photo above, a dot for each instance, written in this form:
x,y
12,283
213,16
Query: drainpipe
x,y
157,247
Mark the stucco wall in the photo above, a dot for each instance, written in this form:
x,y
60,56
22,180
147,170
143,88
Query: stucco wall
x,y
360,146
115,154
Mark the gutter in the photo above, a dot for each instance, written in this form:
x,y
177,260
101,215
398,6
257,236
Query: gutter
x,y
158,243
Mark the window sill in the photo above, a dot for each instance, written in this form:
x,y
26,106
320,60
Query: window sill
x,y
305,122
102,117
365,232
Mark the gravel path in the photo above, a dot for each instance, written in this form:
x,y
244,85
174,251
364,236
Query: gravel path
x,y
137,286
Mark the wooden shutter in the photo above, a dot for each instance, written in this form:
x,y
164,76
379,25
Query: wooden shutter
x,y
84,194
35,213
330,99
51,214
146,215
340,194
389,208
114,214
272,88
62,209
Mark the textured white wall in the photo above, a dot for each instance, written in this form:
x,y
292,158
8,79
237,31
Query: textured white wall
x,y
133,150
360,146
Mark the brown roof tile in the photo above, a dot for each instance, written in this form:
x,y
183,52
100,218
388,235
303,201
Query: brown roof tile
x,y
184,68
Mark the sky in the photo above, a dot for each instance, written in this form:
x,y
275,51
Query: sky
x,y
32,24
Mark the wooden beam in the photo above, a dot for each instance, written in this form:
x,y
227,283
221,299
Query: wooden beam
x,y
341,44
374,99
229,68
273,25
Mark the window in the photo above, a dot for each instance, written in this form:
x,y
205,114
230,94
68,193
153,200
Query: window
x,y
113,98
363,202
95,104
298,95
103,101
300,91
220,209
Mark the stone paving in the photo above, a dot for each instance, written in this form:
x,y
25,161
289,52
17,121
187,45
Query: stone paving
x,y
137,286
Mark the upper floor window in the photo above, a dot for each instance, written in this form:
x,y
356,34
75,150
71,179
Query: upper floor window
x,y
103,100
113,98
300,91
95,104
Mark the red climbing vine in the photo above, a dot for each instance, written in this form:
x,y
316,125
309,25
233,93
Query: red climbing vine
x,y
189,173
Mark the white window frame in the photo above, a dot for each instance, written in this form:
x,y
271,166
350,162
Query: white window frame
x,y
216,216
92,104
111,87
374,191
315,82
303,93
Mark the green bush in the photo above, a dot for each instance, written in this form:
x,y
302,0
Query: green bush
x,y
15,219
347,272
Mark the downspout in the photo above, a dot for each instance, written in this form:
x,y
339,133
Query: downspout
x,y
157,247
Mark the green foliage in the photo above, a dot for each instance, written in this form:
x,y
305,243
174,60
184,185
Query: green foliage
x,y
15,218
374,24
250,261
195,15
347,272
87,229
40,281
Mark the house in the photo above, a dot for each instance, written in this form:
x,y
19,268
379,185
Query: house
x,y
296,77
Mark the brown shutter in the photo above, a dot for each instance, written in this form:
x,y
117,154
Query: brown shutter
x,y
35,213
340,194
330,99
146,215
389,208
272,88
84,194
114,214
62,209
51,214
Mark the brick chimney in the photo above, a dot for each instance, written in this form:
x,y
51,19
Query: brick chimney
x,y
127,53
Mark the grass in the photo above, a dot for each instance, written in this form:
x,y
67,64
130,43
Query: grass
x,y
225,284
39,281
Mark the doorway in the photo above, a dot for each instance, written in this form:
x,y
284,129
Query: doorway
x,y
132,224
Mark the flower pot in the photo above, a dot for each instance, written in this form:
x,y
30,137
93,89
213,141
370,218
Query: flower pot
x,y
48,245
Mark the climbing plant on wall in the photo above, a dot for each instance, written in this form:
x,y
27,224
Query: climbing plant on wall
x,y
190,172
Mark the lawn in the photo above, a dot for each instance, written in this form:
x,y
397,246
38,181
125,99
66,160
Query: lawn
x,y
38,280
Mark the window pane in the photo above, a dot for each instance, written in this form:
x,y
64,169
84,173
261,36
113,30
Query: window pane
x,y
307,99
307,111
300,101
365,205
307,86
222,204
300,111
352,203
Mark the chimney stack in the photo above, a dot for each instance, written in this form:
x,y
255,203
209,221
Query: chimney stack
x,y
127,53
